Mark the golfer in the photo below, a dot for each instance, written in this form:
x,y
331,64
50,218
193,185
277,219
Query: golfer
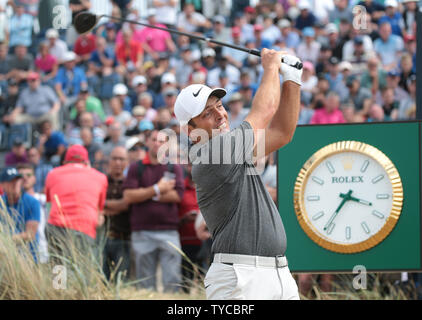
x,y
249,241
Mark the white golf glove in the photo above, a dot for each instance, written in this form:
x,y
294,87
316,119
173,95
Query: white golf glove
x,y
291,73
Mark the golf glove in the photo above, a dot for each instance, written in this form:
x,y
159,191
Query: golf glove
x,y
291,73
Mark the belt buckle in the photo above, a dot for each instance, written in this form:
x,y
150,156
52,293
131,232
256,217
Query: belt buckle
x,y
277,264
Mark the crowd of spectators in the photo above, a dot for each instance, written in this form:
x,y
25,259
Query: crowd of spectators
x,y
112,88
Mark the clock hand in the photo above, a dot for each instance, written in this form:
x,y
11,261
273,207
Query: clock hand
x,y
345,197
342,195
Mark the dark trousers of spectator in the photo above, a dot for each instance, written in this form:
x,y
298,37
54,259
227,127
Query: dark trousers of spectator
x,y
189,272
116,258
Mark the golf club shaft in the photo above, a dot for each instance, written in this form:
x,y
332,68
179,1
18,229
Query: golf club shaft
x,y
197,37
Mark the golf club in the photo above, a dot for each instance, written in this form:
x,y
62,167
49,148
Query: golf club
x,y
86,21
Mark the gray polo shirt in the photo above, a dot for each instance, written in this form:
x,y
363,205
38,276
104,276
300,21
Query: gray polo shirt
x,y
236,206
37,102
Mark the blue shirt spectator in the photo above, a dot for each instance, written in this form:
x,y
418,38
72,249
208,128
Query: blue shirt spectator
x,y
69,78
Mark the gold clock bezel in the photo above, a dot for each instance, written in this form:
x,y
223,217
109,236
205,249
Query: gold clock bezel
x,y
314,161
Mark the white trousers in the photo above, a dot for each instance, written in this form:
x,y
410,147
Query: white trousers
x,y
247,282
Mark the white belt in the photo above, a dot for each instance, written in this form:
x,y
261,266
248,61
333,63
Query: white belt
x,y
274,262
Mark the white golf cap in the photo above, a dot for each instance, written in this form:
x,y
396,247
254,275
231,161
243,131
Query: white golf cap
x,y
208,52
284,23
304,4
391,3
192,100
51,33
331,28
138,80
131,142
168,78
119,89
69,56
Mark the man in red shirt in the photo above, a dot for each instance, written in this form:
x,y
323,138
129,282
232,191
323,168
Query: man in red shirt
x,y
84,46
77,195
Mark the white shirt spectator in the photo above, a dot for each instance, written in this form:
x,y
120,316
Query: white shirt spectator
x,y
309,53
166,11
233,74
183,22
59,50
349,48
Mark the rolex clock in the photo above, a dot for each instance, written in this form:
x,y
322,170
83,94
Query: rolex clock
x,y
348,197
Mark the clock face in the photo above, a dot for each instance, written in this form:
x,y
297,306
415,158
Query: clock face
x,y
348,197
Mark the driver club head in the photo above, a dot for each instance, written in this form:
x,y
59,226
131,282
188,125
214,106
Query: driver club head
x,y
85,22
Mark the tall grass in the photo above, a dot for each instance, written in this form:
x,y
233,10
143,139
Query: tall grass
x,y
21,278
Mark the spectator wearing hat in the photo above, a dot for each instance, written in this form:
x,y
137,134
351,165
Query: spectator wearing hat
x,y
333,40
389,46
190,21
308,49
330,112
289,36
170,95
69,80
219,32
393,79
408,105
167,80
23,209
346,69
245,26
209,58
235,57
237,113
306,18
393,16
139,86
72,224
29,181
358,45
155,41
20,28
52,143
138,114
17,155
259,41
36,103
92,104
56,46
46,64
120,91
136,149
361,98
334,77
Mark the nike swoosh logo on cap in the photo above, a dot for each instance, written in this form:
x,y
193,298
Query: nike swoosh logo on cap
x,y
196,94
